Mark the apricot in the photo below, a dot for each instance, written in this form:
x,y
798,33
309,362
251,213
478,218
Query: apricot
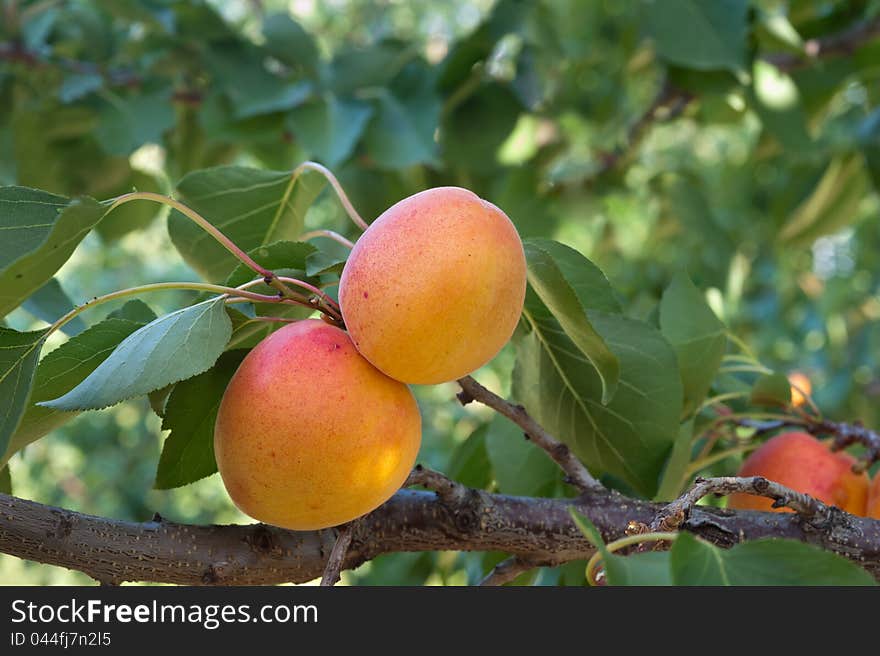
x,y
309,434
873,507
800,461
435,287
800,388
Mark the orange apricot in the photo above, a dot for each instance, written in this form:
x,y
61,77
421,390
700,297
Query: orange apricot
x,y
309,434
801,462
801,388
435,287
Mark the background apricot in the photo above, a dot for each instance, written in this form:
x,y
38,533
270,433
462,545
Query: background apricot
x,y
873,507
800,388
800,461
311,435
435,287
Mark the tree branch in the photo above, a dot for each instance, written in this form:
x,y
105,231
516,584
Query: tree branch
x,y
576,472
673,515
539,530
842,43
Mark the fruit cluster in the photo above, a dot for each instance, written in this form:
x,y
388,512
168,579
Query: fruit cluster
x,y
318,427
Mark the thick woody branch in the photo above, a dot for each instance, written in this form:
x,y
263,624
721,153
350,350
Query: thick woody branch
x,y
576,472
673,516
539,530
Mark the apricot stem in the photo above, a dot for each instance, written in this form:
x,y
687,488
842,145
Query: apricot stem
x,y
202,222
340,192
157,286
329,234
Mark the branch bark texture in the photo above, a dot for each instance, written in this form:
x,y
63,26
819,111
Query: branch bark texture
x,y
537,530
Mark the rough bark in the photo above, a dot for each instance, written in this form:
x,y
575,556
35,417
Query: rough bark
x,y
539,530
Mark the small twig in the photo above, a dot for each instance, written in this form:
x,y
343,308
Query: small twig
x,y
842,43
337,554
576,472
507,570
450,492
672,516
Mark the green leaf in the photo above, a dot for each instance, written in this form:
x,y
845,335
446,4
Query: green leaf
x,y
291,255
476,129
190,413
469,464
589,529
632,435
247,331
650,568
289,43
776,100
553,272
19,353
329,258
252,207
673,480
63,369
171,348
761,562
131,216
79,85
401,132
700,34
869,137
135,310
772,390
5,480
40,232
520,468
832,205
330,128
128,122
49,303
697,336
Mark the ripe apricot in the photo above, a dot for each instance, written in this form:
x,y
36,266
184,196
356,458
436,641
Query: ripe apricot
x,y
311,435
435,287
873,508
800,388
800,461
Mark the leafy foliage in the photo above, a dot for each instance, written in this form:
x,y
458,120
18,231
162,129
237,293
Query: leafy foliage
x,y
628,142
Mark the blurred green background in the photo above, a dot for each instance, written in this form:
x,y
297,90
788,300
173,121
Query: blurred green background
x,y
652,136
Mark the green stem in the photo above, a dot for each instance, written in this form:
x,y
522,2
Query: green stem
x,y
133,291
718,398
704,462
206,225
745,369
329,234
340,192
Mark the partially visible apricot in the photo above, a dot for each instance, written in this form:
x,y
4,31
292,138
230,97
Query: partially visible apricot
x,y
801,462
873,508
801,388
309,434
435,286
